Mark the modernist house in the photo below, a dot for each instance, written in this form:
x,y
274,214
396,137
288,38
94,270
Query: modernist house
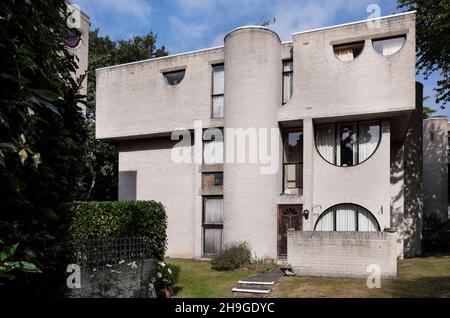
x,y
347,110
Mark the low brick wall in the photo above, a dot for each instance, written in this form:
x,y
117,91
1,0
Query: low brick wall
x,y
343,254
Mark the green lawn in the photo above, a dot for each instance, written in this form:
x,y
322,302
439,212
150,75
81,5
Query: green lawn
x,y
198,280
421,277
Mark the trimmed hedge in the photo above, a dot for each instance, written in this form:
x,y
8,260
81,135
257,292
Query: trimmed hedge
x,y
121,219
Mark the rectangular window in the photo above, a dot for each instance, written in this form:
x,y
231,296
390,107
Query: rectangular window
x,y
288,76
218,85
293,161
214,179
212,225
213,147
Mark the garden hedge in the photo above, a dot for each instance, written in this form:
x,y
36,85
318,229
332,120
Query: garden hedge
x,y
121,219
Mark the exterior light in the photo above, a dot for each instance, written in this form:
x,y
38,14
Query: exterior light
x,y
306,214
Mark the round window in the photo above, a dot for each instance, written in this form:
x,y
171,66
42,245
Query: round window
x,y
73,38
348,144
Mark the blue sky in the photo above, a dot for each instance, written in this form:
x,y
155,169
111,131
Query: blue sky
x,y
186,25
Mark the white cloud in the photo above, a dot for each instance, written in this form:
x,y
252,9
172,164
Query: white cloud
x,y
185,33
293,16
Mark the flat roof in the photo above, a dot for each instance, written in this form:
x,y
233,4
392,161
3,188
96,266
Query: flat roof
x,y
259,27
356,22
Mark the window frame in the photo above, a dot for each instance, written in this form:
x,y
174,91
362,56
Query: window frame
x,y
333,208
213,66
285,163
404,36
355,45
173,72
206,226
207,141
215,179
337,139
283,73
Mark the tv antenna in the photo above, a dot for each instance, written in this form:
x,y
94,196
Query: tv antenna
x,y
267,22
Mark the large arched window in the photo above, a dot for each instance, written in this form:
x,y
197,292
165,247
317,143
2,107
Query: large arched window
x,y
347,217
348,144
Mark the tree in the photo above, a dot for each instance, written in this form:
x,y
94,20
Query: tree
x,y
433,42
42,142
101,178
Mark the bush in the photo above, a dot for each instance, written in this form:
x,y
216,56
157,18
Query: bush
x,y
121,219
232,257
165,279
261,266
42,144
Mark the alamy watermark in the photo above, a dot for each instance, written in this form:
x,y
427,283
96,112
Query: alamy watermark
x,y
259,146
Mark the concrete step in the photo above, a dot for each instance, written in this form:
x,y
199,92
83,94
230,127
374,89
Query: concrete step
x,y
249,282
250,290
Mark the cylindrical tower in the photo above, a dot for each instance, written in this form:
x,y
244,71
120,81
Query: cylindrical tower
x,y
253,68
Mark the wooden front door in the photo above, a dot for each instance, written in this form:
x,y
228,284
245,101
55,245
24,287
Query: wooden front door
x,y
289,217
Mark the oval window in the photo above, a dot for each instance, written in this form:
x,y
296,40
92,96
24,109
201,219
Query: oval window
x,y
349,51
347,218
73,38
348,144
389,46
175,77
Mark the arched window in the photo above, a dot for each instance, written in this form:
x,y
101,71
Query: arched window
x,y
348,144
347,217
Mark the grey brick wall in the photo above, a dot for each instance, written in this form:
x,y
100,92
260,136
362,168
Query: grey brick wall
x,y
343,254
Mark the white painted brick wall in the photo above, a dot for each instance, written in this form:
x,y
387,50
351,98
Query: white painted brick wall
x,y
342,254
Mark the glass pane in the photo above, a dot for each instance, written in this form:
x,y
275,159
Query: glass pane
x,y
174,78
213,152
368,139
212,241
366,222
294,147
208,180
389,46
345,218
287,87
213,210
325,222
293,174
217,106
73,38
219,178
348,52
325,141
218,79
212,179
347,145
288,66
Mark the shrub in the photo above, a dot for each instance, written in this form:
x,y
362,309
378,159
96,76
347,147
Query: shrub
x,y
165,279
261,266
121,219
42,144
232,257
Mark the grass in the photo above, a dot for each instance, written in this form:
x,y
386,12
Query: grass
x,y
198,280
420,277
